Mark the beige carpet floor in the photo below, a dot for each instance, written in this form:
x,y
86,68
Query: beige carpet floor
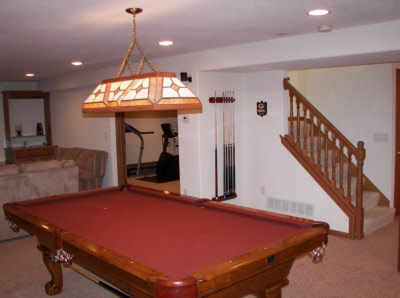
x,y
366,268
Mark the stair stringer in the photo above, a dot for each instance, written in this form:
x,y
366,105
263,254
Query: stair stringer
x,y
325,184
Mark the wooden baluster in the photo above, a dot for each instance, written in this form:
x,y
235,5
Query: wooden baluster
x,y
305,129
360,165
298,122
349,175
291,116
359,227
312,138
341,190
326,173
333,160
319,144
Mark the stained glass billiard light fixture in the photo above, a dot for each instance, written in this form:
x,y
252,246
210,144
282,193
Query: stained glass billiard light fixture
x,y
140,92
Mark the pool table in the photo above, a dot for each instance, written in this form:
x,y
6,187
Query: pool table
x,y
148,243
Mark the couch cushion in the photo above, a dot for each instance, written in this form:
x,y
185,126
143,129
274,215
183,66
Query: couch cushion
x,y
40,166
67,163
9,169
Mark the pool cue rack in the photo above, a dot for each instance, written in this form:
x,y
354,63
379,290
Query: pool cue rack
x,y
229,164
221,100
223,198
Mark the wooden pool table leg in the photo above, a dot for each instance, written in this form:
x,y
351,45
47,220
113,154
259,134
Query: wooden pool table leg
x,y
54,286
274,291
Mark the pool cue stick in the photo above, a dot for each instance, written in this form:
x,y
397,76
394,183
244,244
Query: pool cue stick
x,y
223,145
224,137
216,146
226,146
230,144
229,141
100,283
228,162
228,126
234,145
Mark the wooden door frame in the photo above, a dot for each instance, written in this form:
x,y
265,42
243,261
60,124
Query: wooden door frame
x,y
397,143
121,147
396,159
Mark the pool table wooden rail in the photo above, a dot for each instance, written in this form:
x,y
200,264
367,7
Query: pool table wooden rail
x,y
263,271
251,273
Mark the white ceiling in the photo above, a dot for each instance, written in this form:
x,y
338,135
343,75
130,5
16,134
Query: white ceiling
x,y
44,36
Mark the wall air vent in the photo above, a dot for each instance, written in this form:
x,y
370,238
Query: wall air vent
x,y
290,207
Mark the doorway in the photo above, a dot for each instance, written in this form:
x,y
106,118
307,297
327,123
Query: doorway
x,y
140,151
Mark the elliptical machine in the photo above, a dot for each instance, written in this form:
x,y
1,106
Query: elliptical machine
x,y
168,164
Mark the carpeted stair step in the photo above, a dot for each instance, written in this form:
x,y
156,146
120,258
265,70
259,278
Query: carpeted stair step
x,y
308,140
370,200
301,127
377,218
345,171
353,185
322,157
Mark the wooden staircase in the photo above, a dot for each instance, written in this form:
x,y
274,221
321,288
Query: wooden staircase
x,y
336,164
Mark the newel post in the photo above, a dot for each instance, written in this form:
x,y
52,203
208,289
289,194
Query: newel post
x,y
286,87
359,227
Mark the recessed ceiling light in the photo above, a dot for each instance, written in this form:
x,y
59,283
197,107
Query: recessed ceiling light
x,y
76,63
29,74
318,12
166,43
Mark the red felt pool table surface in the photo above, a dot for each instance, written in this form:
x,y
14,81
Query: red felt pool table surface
x,y
174,235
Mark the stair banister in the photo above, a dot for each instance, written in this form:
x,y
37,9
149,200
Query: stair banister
x,y
316,113
358,153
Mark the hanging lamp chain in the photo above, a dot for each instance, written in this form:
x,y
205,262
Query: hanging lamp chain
x,y
144,57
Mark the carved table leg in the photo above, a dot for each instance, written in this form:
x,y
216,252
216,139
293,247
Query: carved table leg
x,y
274,291
54,286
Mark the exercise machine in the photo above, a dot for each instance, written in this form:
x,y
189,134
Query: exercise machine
x,y
168,164
129,128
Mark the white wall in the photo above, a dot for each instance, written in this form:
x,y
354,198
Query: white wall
x,y
358,101
10,86
71,128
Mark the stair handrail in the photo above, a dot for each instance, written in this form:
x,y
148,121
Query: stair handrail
x,y
358,152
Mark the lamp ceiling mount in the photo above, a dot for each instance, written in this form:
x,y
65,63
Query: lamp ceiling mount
x,y
135,41
135,10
